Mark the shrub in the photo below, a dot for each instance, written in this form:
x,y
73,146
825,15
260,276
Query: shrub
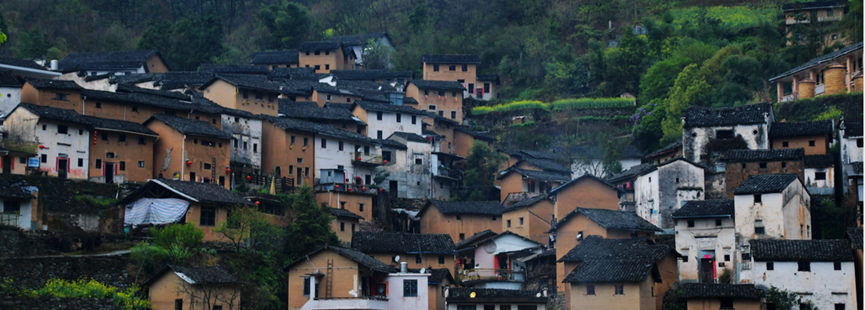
x,y
128,299
592,103
182,235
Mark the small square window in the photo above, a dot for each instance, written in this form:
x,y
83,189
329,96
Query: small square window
x,y
432,107
409,288
508,222
521,221
81,162
760,230
691,223
98,105
746,256
142,141
763,165
452,68
840,306
465,68
804,266
104,136
744,165
121,138
453,114
140,164
399,118
300,160
436,68
207,166
783,164
758,198
418,161
441,259
340,145
590,290
785,144
837,265
620,290
44,158
63,129
378,116
770,265
819,176
462,237
726,303
323,143
718,222
685,259
812,142
726,257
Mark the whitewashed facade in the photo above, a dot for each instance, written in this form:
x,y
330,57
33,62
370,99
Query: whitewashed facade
x,y
329,155
63,146
410,169
661,191
9,99
245,131
706,235
391,122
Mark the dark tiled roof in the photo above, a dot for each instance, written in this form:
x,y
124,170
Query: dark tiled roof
x,y
9,191
319,46
205,275
257,82
411,137
546,165
20,63
796,250
475,134
292,109
127,88
204,192
355,256
539,175
538,154
706,208
299,104
764,155
765,183
819,60
8,79
720,290
114,124
819,161
302,74
666,149
451,59
488,77
525,203
392,108
437,276
813,5
439,85
855,236
182,79
197,104
697,116
492,294
370,74
234,69
852,129
631,173
468,207
476,238
389,242
190,126
391,144
614,260
598,271
358,39
344,213
107,61
57,114
321,129
133,78
275,57
800,129
610,219
52,84
583,177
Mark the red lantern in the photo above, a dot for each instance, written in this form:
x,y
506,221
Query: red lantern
x,y
363,188
385,162
337,186
188,163
257,203
41,146
248,178
227,170
357,177
381,190
349,189
358,159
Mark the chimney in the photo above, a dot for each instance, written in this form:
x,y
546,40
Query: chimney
x,y
54,65
403,267
835,81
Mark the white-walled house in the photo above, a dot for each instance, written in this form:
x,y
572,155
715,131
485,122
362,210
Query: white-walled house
x,y
354,153
820,171
496,260
359,45
446,177
701,126
16,205
660,191
62,135
246,146
819,271
587,159
851,155
706,239
384,119
10,92
410,168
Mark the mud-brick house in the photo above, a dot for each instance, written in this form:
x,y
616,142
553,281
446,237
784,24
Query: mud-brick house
x,y
164,201
462,69
444,98
251,93
517,182
417,250
325,56
12,71
460,219
289,152
706,238
832,73
52,93
815,137
63,139
660,191
275,59
741,164
630,273
190,150
16,206
585,192
178,287
822,272
706,296
707,132
120,151
530,218
99,63
396,78
459,298
344,223
137,105
465,137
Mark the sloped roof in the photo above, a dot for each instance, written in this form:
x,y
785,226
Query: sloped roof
x,y
800,129
525,203
819,60
545,164
545,176
456,294
631,173
583,177
706,209
234,69
697,116
855,236
203,192
321,129
852,129
358,39
819,161
344,213
391,242
10,61
720,290
488,77
182,79
303,74
598,271
813,5
666,149
437,276
105,60
765,183
610,219
114,124
9,191
275,57
52,84
190,126
293,109
204,275
411,137
826,250
438,85
353,255
615,260
195,103
57,114
370,74
391,144
492,207
256,82
451,59
474,239
8,79
391,108
130,88
319,46
475,134
745,155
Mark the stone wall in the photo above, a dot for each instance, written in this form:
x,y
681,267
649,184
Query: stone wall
x,y
8,302
15,242
31,273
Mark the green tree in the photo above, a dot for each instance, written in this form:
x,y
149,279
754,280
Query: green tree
x,y
377,55
287,22
656,83
32,44
156,36
689,89
831,220
851,25
195,40
238,228
786,300
310,228
182,235
482,166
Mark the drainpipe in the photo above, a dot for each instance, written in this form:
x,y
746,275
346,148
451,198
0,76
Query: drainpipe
x,y
182,159
84,105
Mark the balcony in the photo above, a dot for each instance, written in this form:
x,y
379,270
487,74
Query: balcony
x,y
450,173
363,303
477,275
366,159
347,187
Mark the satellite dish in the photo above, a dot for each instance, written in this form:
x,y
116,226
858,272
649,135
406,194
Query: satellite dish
x,y
396,258
538,295
423,270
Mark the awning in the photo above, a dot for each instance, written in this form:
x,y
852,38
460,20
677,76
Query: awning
x,y
153,211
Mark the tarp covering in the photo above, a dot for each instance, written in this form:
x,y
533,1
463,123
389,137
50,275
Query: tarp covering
x,y
155,211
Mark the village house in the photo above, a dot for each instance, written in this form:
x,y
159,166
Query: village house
x,y
491,260
343,157
339,278
235,91
488,85
417,250
531,176
855,235
52,93
63,139
819,271
276,59
706,132
325,56
530,218
190,150
742,164
584,192
815,137
441,129
324,93
384,119
119,62
437,283
706,239
772,206
660,191
446,176
464,137
851,156
703,296
460,219
247,145
825,75
588,159
12,74
10,91
573,228
17,206
409,171
134,105
827,13
165,201
624,181
289,152
344,223
310,111
630,273
439,97
177,287
668,152
457,68
360,45
459,298
397,79
121,151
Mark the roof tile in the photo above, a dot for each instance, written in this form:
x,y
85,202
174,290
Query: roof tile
x,y
390,242
796,250
765,183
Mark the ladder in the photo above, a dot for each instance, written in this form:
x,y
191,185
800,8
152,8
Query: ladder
x,y
329,279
